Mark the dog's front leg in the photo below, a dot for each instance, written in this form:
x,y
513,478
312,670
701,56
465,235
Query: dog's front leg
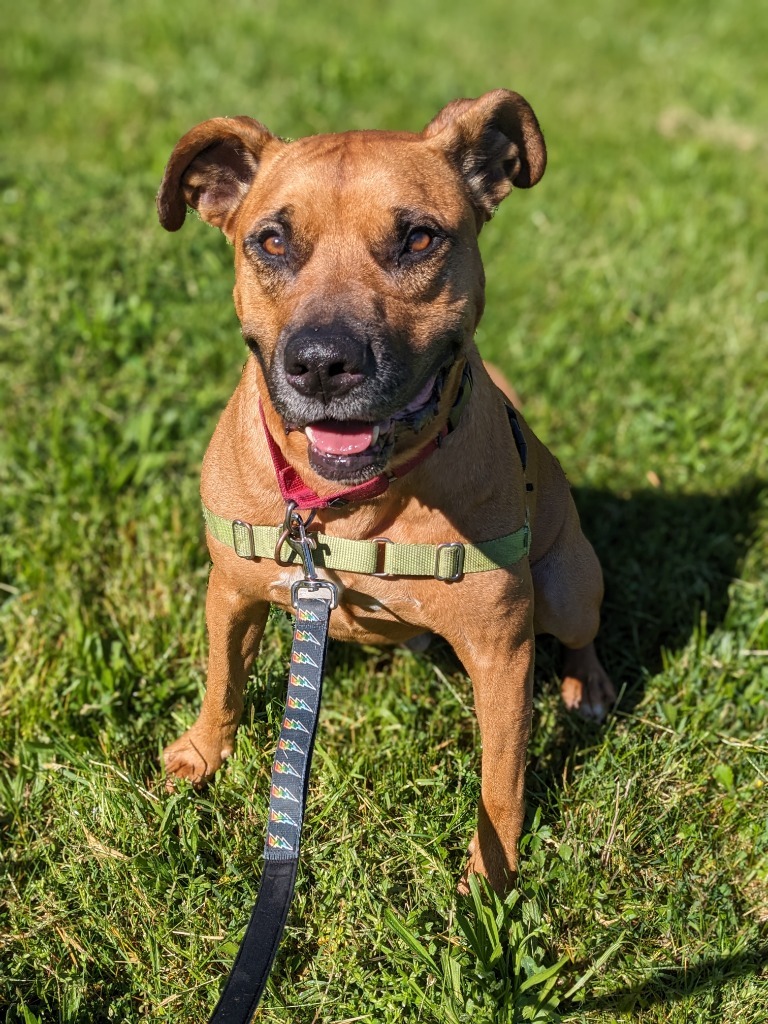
x,y
235,626
501,670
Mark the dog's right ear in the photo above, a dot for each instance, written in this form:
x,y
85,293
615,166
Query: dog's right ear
x,y
211,169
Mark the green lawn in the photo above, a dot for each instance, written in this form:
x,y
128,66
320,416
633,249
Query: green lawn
x,y
628,302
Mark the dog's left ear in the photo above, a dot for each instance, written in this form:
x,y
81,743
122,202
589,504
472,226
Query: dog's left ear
x,y
494,141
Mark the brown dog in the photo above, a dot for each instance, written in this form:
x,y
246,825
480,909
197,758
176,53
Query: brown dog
x,y
359,287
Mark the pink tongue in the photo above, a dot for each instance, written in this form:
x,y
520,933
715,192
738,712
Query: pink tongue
x,y
340,438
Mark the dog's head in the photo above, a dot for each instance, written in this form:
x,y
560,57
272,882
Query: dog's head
x,y
359,283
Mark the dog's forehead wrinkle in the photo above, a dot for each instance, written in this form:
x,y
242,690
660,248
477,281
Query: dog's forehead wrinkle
x,y
357,174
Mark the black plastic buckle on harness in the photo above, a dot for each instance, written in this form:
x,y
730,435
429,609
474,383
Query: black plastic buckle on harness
x,y
517,434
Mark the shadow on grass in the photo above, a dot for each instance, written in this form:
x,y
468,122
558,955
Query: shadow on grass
x,y
671,986
667,559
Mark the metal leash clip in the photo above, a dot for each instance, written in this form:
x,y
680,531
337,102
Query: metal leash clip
x,y
294,534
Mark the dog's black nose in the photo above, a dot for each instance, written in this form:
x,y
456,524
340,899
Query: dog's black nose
x,y
323,363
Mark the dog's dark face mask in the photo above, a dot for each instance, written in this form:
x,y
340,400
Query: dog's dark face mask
x,y
357,302
359,283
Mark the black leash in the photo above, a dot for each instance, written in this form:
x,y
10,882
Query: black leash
x,y
313,600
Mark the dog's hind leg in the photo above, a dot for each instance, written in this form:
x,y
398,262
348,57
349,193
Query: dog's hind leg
x,y
235,627
568,592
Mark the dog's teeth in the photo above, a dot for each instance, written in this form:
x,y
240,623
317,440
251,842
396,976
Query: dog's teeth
x,y
376,432
310,434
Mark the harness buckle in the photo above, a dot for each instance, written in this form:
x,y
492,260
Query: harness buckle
x,y
458,572
237,525
381,556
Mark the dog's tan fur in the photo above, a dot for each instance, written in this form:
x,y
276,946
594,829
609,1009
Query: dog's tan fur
x,y
341,192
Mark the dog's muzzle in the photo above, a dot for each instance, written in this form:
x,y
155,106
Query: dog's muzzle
x,y
344,388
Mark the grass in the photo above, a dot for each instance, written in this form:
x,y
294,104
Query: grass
x,y
627,300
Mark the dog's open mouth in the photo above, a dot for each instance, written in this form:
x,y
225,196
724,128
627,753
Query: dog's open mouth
x,y
353,451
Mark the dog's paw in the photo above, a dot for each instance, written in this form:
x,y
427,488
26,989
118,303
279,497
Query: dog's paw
x,y
587,688
500,876
195,756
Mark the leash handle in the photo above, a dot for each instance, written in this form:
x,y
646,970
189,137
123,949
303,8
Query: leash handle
x,y
287,801
248,979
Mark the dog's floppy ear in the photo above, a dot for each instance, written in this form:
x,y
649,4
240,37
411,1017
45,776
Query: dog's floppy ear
x,y
211,169
494,141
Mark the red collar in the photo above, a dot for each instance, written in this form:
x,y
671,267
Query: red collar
x,y
293,488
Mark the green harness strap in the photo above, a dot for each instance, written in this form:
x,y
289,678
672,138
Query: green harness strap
x,y
379,557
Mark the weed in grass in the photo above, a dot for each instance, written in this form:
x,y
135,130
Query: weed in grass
x,y
499,973
502,979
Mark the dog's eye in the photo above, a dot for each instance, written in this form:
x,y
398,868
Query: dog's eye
x,y
419,240
273,244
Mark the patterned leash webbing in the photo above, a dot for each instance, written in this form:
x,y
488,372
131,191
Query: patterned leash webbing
x,y
288,795
290,771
